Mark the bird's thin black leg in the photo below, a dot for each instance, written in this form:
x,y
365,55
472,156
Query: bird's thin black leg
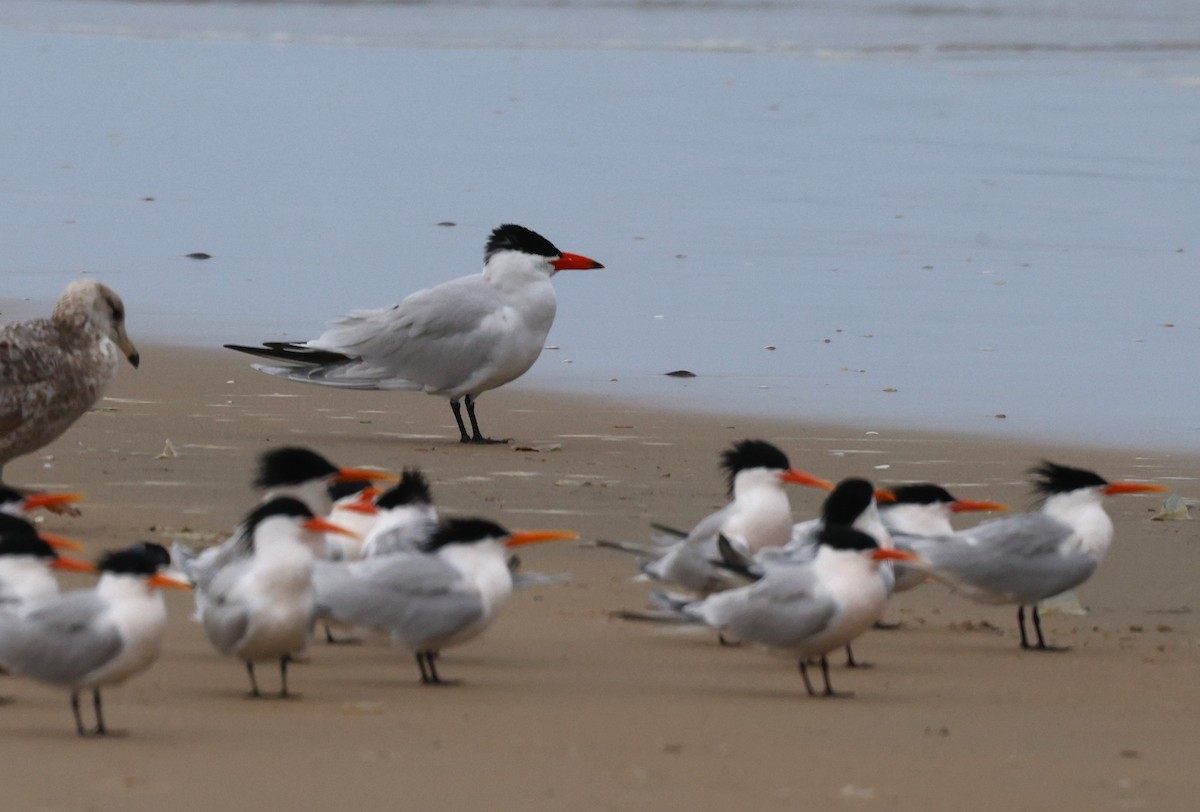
x,y
283,664
1021,624
456,406
101,730
825,673
78,717
253,682
476,434
804,676
1037,627
851,662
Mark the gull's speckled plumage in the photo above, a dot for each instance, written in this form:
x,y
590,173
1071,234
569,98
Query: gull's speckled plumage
x,y
53,370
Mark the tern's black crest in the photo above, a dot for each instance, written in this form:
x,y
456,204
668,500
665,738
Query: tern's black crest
x,y
18,537
1050,478
510,237
463,531
412,487
847,502
340,490
840,537
138,559
291,466
9,496
279,506
922,494
751,454
156,551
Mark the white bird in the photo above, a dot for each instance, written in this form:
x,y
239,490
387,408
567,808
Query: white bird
x,y
53,370
407,517
1027,558
443,595
92,638
757,517
27,564
924,509
810,607
300,473
260,606
456,340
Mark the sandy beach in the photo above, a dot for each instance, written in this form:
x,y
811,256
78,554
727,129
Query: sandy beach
x,y
564,707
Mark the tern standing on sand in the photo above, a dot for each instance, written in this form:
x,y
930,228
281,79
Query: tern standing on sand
x,y
457,340
53,370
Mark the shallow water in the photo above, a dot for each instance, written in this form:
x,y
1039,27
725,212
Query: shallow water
x,y
935,214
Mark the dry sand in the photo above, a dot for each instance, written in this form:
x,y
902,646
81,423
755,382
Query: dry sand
x,y
563,707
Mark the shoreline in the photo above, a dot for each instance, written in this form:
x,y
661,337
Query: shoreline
x,y
563,706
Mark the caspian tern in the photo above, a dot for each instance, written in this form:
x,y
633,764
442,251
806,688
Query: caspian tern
x,y
757,517
260,606
443,595
924,509
456,340
810,607
27,562
1027,558
53,370
91,638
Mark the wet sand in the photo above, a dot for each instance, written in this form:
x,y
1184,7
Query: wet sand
x,y
562,706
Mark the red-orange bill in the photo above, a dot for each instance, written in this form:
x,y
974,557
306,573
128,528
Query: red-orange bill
x,y
60,543
802,478
535,536
51,501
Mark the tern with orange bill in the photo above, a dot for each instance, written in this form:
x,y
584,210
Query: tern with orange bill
x,y
91,638
456,340
259,607
28,561
1029,557
444,594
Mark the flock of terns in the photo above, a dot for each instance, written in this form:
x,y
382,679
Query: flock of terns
x,y
363,548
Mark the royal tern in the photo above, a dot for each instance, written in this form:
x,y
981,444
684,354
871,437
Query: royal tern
x,y
810,607
91,638
924,509
443,595
757,517
53,370
18,504
260,606
456,340
27,564
1027,558
300,473
407,517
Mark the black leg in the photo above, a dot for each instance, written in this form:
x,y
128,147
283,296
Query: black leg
x,y
476,434
101,730
462,429
253,682
78,718
1037,627
825,673
426,660
283,686
421,665
725,641
804,676
851,662
1021,624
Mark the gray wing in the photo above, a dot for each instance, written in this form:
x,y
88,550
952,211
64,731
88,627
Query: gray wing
x,y
225,618
784,607
413,596
60,641
1017,558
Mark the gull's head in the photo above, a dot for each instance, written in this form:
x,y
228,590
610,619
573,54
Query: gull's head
x,y
88,303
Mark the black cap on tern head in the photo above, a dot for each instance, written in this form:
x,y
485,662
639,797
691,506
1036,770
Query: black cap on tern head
x,y
1050,478
847,502
19,537
842,537
463,531
412,487
340,490
137,559
511,237
925,493
8,496
291,466
156,551
279,506
747,454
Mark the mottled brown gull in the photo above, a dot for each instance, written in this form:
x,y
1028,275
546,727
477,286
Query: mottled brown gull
x,y
53,370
